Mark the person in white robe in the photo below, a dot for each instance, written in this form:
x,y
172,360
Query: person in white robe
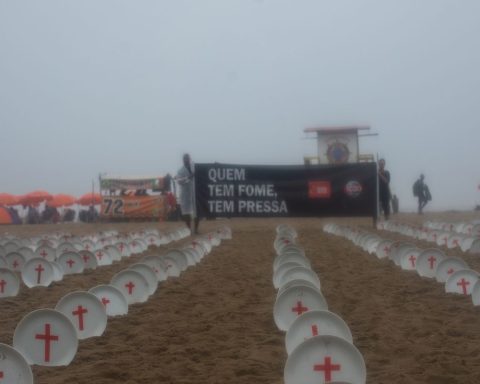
x,y
186,180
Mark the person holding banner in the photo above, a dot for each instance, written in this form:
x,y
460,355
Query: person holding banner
x,y
186,180
384,188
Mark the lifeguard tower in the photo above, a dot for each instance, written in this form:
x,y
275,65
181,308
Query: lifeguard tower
x,y
338,145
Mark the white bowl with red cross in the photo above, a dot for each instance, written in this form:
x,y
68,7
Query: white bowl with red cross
x,y
71,263
383,249
86,312
295,301
428,260
157,266
448,266
15,261
148,273
316,323
46,337
409,257
454,240
113,300
281,242
46,252
37,272
179,257
133,286
397,254
13,366
461,281
325,359
124,248
89,259
103,257
9,283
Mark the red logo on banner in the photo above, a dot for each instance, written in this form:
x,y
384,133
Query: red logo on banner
x,y
319,189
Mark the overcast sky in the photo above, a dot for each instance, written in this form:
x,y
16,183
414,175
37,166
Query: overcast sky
x,y
127,87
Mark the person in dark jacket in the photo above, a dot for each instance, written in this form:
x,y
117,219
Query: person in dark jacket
x,y
422,192
384,188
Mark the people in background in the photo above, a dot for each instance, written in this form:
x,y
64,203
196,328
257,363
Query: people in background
x,y
68,215
186,180
395,204
33,216
384,188
422,193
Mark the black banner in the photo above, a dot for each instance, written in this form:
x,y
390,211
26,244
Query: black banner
x,y
227,190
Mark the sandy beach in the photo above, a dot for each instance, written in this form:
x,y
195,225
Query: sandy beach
x,y
214,323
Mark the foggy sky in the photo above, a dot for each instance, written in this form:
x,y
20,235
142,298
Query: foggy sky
x,y
127,87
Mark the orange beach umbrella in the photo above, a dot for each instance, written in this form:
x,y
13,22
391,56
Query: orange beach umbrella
x,y
62,200
5,217
8,199
35,197
90,198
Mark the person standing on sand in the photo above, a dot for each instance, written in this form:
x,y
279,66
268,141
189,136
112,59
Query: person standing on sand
x,y
384,188
395,204
422,192
186,180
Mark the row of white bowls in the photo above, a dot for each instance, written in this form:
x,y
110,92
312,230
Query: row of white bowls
x,y
472,228
438,236
16,360
52,247
318,342
431,263
62,241
67,259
